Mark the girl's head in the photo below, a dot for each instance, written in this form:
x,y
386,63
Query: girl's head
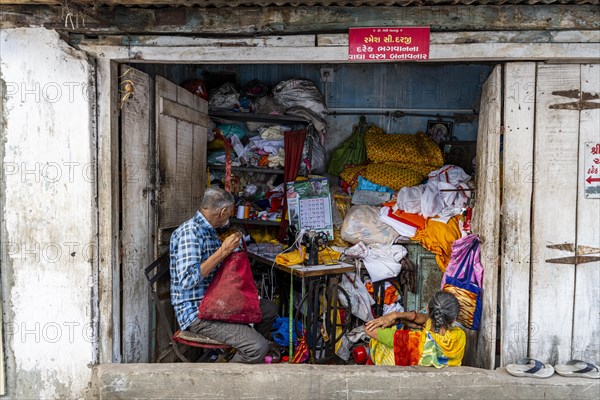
x,y
443,310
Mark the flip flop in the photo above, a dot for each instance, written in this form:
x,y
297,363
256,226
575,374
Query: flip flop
x,y
578,368
531,368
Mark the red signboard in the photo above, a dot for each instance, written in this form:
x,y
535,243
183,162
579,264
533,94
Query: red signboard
x,y
400,44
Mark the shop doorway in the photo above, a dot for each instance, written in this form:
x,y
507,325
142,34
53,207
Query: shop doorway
x,y
163,165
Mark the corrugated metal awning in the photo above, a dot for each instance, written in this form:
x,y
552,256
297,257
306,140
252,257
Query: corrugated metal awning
x,y
266,3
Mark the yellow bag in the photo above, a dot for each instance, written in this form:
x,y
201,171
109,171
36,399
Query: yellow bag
x,y
393,175
402,148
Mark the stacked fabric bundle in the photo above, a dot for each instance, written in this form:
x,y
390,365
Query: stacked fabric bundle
x,y
395,160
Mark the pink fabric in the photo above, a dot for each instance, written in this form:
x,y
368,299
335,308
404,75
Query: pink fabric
x,y
460,250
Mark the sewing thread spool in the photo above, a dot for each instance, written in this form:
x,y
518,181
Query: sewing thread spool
x,y
241,212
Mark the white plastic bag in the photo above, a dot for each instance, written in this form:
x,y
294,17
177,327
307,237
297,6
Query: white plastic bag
x,y
359,250
360,300
362,223
383,262
300,92
409,199
225,96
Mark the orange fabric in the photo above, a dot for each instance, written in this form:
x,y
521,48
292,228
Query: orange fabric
x,y
413,219
390,296
407,347
390,203
264,161
437,237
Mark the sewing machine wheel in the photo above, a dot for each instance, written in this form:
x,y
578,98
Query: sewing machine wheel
x,y
329,296
320,240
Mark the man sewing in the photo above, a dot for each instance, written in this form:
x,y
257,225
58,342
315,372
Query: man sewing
x,y
196,252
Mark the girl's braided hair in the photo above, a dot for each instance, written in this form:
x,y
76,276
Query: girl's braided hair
x,y
443,310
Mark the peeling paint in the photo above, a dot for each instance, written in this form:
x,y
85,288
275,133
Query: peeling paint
x,y
46,212
6,281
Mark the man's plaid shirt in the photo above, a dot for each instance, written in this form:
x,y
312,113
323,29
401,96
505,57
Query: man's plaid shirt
x,y
191,244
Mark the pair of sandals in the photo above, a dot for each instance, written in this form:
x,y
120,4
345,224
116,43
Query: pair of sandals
x,y
535,369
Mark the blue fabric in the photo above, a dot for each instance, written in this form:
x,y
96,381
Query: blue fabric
x,y
231,129
365,184
281,334
191,244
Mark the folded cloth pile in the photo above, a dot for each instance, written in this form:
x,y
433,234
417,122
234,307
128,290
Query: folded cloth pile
x,y
296,257
444,195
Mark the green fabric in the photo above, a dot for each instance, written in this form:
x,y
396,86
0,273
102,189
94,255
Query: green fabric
x,y
386,336
433,354
352,151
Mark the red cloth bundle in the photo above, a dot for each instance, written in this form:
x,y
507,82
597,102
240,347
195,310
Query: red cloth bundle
x,y
232,295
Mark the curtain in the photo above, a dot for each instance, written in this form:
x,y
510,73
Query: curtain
x,y
294,143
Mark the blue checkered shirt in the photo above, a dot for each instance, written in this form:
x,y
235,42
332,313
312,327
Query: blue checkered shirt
x,y
191,244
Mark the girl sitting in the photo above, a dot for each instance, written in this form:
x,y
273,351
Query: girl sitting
x,y
434,341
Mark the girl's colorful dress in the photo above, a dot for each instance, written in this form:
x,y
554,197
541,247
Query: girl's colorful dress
x,y
424,347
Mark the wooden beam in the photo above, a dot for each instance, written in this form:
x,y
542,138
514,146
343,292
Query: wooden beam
x,y
252,21
564,52
341,39
338,39
230,3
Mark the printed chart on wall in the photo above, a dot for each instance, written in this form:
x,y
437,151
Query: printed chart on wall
x,y
309,205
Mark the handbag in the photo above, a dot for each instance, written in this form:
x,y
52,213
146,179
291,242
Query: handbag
x,y
232,294
467,292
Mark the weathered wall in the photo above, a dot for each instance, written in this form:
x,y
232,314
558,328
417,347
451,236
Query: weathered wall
x,y
46,214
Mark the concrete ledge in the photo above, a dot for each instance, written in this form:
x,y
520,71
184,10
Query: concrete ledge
x,y
284,381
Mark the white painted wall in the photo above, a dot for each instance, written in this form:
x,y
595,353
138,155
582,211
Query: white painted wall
x,y
47,215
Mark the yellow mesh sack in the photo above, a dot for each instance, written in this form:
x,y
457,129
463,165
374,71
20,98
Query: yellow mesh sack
x,y
393,175
402,148
421,168
342,203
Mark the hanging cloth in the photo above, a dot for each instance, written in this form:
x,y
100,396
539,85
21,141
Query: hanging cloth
x,y
219,134
293,144
352,151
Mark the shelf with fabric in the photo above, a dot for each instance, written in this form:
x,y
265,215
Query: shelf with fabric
x,y
254,222
264,170
222,114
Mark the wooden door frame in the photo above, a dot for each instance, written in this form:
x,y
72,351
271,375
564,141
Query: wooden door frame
x,y
275,49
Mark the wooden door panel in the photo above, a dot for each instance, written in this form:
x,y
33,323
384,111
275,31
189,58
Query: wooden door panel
x,y
182,121
585,344
555,180
486,219
519,122
137,235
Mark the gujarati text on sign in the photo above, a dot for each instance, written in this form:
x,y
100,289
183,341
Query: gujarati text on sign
x,y
591,170
409,44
